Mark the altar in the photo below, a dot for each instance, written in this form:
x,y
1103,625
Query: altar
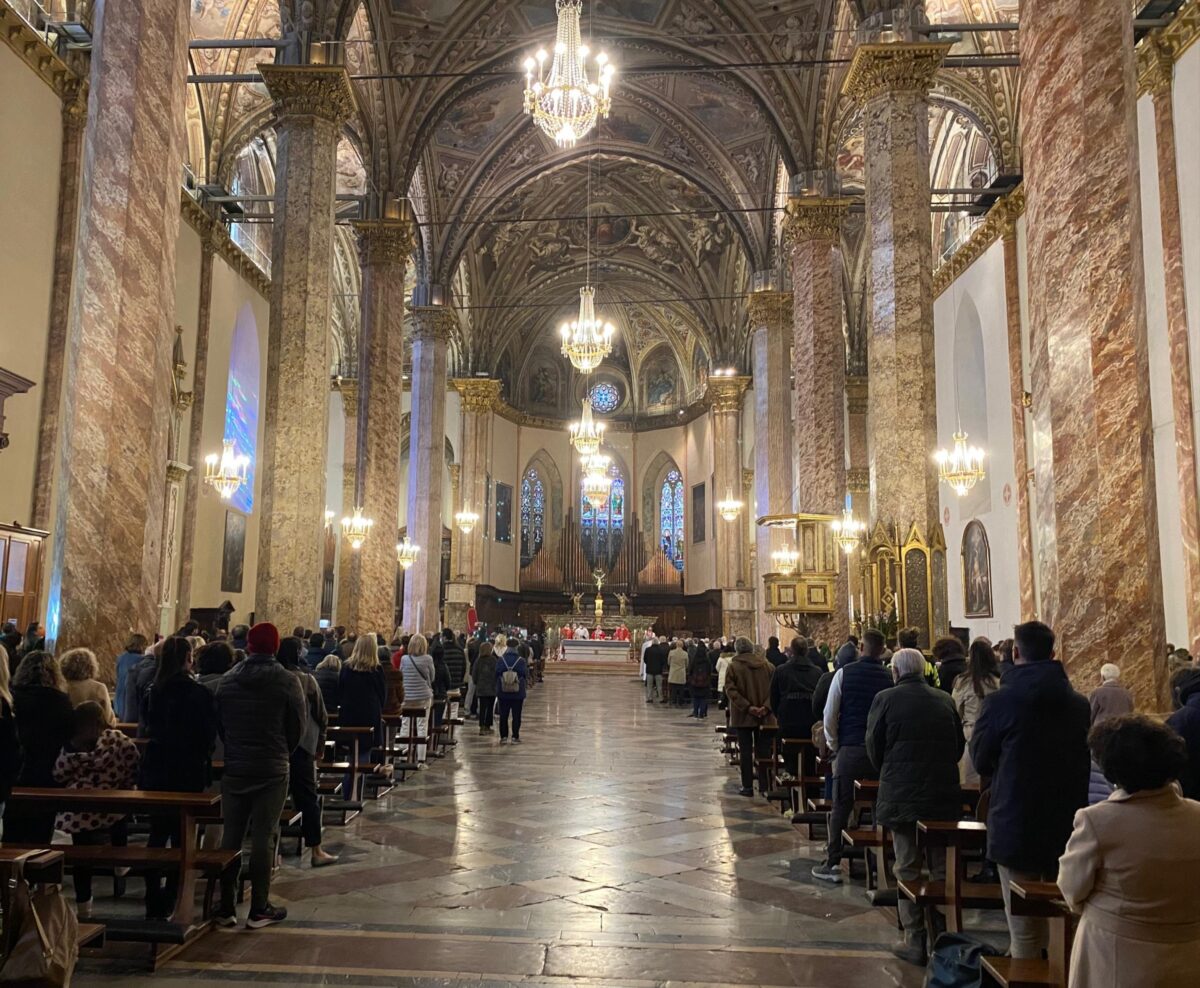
x,y
603,650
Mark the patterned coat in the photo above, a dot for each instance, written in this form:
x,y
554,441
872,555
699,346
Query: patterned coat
x,y
112,764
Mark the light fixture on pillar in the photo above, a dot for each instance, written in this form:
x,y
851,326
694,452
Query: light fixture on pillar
x,y
406,553
328,517
566,104
785,560
586,341
587,433
731,508
961,467
465,520
356,528
847,530
226,472
597,484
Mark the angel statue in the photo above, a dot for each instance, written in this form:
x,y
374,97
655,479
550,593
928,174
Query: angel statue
x,y
577,603
623,601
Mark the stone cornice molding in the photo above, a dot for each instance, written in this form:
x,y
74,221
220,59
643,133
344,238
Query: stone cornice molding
x,y
1162,48
386,241
321,91
808,218
879,69
28,46
768,309
214,237
724,394
432,322
479,394
1000,221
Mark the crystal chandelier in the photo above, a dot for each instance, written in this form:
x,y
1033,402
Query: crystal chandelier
x,y
730,508
566,104
406,553
596,481
586,341
465,520
962,467
847,530
587,433
785,560
356,528
228,471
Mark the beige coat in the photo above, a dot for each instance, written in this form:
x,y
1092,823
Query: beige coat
x,y
677,667
82,690
1132,868
968,705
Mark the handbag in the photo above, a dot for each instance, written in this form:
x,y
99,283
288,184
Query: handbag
x,y
956,961
41,936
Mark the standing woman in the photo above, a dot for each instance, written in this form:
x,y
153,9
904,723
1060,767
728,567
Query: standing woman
x,y
180,724
363,692
135,649
80,669
10,747
45,722
699,672
980,678
417,669
302,768
483,676
512,674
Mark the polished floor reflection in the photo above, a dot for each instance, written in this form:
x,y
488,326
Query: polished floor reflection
x,y
609,849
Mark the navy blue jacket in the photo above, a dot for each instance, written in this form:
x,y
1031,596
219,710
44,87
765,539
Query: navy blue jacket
x,y
861,682
1186,723
511,660
1031,738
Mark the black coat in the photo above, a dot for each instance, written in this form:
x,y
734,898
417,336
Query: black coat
x,y
329,679
45,723
949,671
456,662
10,750
180,720
915,740
821,694
792,690
261,715
656,660
1031,738
363,697
775,656
1186,723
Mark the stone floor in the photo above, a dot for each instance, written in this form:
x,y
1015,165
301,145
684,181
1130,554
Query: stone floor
x,y
609,849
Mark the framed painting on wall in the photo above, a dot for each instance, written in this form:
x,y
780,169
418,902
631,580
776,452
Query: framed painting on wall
x,y
233,556
698,513
504,494
976,571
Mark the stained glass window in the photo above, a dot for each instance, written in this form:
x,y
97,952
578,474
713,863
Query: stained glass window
x,y
605,397
670,510
533,515
602,531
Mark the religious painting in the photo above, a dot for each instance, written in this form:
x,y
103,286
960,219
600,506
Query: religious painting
x,y
698,514
610,231
504,494
630,126
661,377
544,385
233,557
976,571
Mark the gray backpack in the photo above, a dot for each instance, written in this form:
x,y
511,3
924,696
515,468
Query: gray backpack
x,y
510,681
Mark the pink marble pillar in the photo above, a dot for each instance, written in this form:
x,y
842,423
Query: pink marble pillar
x,y
1161,78
347,565
116,381
480,397
384,249
431,328
725,396
771,325
1094,460
812,228
311,102
74,117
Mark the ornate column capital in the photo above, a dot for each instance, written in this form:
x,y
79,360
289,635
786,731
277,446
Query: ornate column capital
x,y
878,69
347,387
386,241
856,395
813,218
321,91
479,394
724,394
769,309
1155,67
432,322
74,107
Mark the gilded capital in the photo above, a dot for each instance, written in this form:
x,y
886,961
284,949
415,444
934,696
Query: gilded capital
x,y
384,241
74,107
347,387
856,395
479,394
432,322
879,69
808,218
725,393
769,309
858,481
321,91
1156,67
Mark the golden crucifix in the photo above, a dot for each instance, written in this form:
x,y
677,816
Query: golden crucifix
x,y
599,578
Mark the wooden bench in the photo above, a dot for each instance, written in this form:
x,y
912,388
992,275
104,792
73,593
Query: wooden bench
x,y
356,740
1037,899
954,893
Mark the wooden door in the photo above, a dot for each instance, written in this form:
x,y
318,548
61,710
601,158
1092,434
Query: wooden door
x,y
20,575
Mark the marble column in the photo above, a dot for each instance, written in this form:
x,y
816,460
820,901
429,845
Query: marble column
x,y
891,82
1017,405
858,474
311,102
347,558
1161,79
812,229
74,117
771,328
1092,430
116,382
431,328
732,542
384,249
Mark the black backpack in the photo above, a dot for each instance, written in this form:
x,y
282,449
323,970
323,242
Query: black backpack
x,y
957,961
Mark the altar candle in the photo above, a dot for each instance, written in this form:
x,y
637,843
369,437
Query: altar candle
x,y
862,605
851,596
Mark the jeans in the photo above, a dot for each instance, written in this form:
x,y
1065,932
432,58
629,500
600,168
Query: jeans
x,y
302,782
654,686
908,868
751,742
851,763
699,702
160,900
487,711
510,705
1028,935
253,804
114,836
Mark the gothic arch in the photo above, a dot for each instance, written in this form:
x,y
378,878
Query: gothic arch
x,y
552,478
652,481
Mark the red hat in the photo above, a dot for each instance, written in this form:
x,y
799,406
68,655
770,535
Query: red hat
x,y
263,639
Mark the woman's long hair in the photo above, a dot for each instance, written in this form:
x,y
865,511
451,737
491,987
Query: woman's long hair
x,y
981,665
39,668
289,652
365,657
173,659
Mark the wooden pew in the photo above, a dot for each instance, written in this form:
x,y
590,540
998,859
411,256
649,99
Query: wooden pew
x,y
875,841
42,866
1037,899
954,893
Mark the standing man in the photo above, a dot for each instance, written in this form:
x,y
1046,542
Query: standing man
x,y
792,689
851,693
748,687
1031,738
261,717
914,739
1110,698
774,654
655,658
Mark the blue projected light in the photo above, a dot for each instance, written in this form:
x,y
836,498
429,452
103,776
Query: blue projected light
x,y
241,402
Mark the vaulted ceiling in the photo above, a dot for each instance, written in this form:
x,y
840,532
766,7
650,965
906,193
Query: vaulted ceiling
x,y
715,103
